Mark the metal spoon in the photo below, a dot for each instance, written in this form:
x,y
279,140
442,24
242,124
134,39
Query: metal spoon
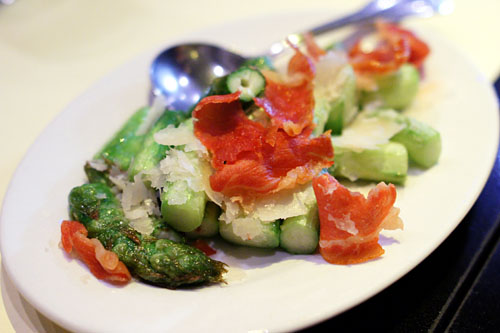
x,y
183,73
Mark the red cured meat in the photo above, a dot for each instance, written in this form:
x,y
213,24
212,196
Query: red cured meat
x,y
350,223
397,46
250,159
102,263
290,102
313,49
222,126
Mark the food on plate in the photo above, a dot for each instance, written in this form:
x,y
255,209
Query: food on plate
x,y
104,264
159,261
350,223
254,163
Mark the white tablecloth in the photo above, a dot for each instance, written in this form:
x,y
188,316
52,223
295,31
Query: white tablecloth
x,y
52,50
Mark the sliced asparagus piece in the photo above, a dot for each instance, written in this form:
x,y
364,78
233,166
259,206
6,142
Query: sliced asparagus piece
x,y
186,215
396,90
387,162
267,235
422,142
209,225
300,234
151,152
125,144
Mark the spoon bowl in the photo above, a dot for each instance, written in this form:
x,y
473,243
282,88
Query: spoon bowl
x,y
182,73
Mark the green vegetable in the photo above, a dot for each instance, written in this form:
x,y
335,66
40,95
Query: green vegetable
x,y
388,163
321,112
186,216
210,224
396,90
335,111
259,63
151,152
218,86
96,176
268,235
125,144
163,231
335,120
422,142
249,81
300,234
156,261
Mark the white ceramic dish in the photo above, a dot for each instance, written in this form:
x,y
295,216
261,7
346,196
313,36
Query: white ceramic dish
x,y
268,290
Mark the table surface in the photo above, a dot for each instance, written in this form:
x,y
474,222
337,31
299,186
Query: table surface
x,y
43,43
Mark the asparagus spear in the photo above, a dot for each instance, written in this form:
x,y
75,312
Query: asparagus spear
x,y
123,146
185,216
156,261
268,235
300,234
151,152
395,90
210,224
422,142
97,176
388,163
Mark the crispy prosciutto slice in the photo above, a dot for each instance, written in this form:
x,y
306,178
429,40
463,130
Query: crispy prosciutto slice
x,y
419,50
313,49
222,126
290,101
250,159
396,47
350,223
104,264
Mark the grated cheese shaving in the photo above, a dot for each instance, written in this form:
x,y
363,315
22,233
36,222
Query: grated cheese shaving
x,y
369,130
138,202
99,165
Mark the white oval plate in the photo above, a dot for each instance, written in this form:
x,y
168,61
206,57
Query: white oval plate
x,y
267,290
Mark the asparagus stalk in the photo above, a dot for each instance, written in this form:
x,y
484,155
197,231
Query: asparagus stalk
x,y
209,225
151,152
156,261
300,234
267,236
124,145
388,163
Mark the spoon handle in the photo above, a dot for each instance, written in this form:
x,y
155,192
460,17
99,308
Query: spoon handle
x,y
367,13
394,10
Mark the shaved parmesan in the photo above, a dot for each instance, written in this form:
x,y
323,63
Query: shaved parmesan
x,y
180,136
138,202
181,189
181,166
143,225
334,81
268,209
330,76
99,165
369,129
246,228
